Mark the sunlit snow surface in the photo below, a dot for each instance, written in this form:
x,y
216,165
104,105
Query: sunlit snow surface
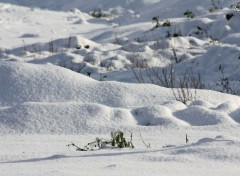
x,y
47,49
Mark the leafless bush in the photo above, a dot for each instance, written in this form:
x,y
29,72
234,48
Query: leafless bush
x,y
138,61
36,49
187,86
183,88
184,92
224,82
195,80
175,57
138,74
163,77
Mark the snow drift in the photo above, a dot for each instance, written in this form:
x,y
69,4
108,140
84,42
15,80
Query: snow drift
x,y
51,99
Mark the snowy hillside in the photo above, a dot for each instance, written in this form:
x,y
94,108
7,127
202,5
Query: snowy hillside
x,y
34,96
165,72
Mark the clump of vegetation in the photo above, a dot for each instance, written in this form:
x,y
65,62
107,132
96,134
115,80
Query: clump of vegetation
x,y
118,140
200,32
87,46
175,34
189,14
183,93
187,140
156,21
78,46
215,6
214,40
229,16
224,82
166,23
97,13
236,6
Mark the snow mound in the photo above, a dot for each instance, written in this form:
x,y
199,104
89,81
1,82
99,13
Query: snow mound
x,y
200,116
220,148
50,99
156,115
201,103
232,39
27,82
24,82
62,118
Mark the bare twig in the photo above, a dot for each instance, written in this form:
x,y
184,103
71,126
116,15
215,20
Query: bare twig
x,y
77,148
148,146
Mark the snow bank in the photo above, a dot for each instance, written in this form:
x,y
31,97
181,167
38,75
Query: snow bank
x,y
46,83
51,99
157,115
63,118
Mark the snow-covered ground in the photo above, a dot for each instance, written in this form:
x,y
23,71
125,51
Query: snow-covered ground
x,y
66,76
47,155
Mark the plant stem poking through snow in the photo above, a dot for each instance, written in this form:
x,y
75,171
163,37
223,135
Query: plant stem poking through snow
x,y
187,140
117,141
156,20
77,148
148,146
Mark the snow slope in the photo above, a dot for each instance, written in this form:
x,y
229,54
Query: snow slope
x,y
35,155
66,76
51,99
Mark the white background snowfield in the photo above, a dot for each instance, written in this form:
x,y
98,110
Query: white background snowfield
x,y
67,76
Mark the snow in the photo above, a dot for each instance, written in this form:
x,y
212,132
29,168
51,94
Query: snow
x,y
66,76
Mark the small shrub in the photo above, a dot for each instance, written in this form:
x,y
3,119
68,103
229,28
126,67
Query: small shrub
x,y
175,34
185,83
214,40
87,46
229,16
166,23
200,32
97,13
89,74
183,93
189,14
118,140
78,46
236,7
156,21
224,81
164,77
